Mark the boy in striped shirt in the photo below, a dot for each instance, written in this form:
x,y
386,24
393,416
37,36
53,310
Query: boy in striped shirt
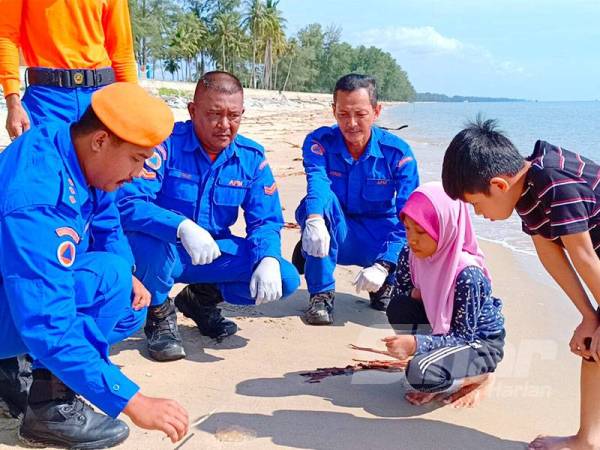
x,y
556,193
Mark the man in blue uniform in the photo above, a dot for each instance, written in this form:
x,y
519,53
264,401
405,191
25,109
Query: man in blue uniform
x,y
66,270
359,177
178,215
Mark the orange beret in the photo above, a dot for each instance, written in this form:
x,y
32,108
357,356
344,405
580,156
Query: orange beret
x,y
135,116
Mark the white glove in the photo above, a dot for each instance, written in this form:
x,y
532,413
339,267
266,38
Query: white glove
x,y
315,237
198,242
265,284
371,278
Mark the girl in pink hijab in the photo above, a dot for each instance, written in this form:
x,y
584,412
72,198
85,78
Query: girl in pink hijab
x,y
448,321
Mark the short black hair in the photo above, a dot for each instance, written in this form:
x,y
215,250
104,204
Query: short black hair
x,y
220,81
477,154
89,122
355,81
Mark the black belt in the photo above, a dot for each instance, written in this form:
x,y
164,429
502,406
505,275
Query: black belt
x,y
70,78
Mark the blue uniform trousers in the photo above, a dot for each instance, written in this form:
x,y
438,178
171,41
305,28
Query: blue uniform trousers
x,y
160,264
355,240
102,292
49,103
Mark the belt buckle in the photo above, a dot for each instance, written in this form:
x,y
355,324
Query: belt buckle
x,y
78,78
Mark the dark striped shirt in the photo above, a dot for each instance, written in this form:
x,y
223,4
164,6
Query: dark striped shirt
x,y
561,194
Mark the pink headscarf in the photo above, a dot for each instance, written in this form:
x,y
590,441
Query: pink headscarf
x,y
449,223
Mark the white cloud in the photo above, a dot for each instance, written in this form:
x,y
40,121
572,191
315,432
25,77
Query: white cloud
x,y
412,39
427,41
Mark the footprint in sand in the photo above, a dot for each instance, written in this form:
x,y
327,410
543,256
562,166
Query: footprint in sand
x,y
235,433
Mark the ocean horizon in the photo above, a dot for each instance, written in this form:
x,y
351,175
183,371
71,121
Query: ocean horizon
x,y
431,127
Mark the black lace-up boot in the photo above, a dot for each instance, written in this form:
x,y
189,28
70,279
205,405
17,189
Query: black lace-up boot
x,y
199,303
164,340
56,417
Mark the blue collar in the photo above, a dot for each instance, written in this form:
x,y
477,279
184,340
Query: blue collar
x,y
372,148
192,144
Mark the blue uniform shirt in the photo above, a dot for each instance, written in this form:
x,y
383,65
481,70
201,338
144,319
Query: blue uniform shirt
x,y
374,186
179,181
49,216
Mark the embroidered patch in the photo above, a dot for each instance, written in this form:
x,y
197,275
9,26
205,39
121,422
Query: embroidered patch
x,y
68,231
317,148
383,182
155,161
404,160
270,190
147,175
163,152
333,173
236,183
66,253
263,165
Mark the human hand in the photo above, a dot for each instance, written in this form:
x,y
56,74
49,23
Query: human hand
x,y
586,329
415,294
315,237
17,120
141,295
160,414
401,346
265,284
595,346
371,278
198,243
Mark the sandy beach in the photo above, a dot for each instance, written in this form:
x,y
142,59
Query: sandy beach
x,y
248,389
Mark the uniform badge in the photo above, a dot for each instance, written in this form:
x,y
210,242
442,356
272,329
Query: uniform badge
x,y
263,165
68,231
147,175
404,160
66,253
161,150
270,190
155,161
235,183
317,148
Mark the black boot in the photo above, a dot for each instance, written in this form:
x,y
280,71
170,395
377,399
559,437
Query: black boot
x,y
56,417
162,334
381,299
320,309
298,259
199,303
15,380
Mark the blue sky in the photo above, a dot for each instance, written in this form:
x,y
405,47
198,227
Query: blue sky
x,y
534,49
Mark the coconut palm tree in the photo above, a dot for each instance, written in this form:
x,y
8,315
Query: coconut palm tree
x,y
254,21
273,40
228,40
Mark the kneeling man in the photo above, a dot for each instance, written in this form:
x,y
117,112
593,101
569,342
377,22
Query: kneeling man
x,y
359,177
177,217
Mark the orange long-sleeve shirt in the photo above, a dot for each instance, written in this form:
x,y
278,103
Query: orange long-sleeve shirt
x,y
65,34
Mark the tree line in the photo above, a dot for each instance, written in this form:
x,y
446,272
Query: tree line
x,y
181,39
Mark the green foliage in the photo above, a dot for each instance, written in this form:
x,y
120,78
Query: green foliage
x,y
187,37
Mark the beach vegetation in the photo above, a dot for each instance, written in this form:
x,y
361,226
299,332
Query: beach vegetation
x,y
182,39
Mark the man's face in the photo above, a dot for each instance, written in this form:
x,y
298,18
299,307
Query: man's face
x,y
497,205
114,162
355,115
216,117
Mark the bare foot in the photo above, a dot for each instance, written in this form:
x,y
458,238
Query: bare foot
x,y
472,392
418,398
560,443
